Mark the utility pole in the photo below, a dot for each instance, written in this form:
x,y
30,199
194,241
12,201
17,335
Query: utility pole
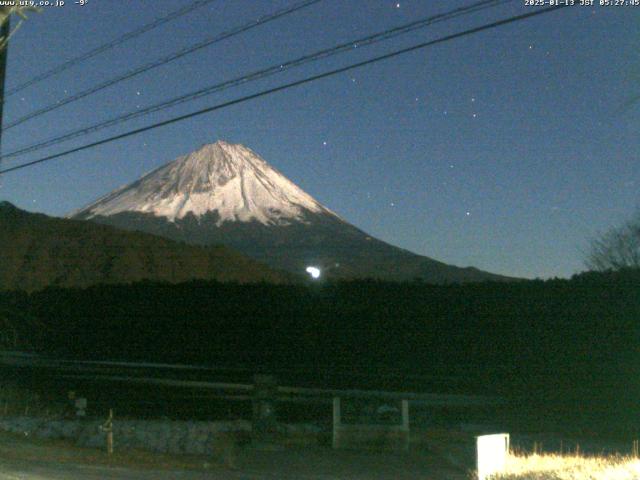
x,y
4,33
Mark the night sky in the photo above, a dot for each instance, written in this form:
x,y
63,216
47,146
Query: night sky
x,y
507,150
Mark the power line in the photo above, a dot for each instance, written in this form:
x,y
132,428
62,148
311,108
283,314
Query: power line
x,y
286,86
163,61
260,74
107,46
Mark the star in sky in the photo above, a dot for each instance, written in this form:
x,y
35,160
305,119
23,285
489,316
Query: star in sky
x,y
427,143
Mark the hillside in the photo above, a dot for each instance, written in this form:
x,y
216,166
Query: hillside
x,y
559,348
37,251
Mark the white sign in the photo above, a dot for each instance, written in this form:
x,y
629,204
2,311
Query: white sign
x,y
492,451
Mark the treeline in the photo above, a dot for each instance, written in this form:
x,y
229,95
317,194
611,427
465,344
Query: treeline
x,y
571,346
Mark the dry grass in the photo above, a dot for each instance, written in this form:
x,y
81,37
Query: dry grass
x,y
570,467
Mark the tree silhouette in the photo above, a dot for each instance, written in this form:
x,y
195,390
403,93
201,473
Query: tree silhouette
x,y
616,249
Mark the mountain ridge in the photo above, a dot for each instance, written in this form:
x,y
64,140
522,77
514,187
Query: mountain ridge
x,y
37,251
225,193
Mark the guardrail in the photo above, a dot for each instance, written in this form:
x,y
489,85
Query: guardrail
x,y
140,373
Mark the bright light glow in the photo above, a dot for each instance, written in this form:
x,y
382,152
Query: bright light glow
x,y
314,272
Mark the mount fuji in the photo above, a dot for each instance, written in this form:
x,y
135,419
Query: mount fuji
x,y
226,194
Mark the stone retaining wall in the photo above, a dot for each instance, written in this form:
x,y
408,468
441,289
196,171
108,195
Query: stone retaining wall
x,y
195,438
160,436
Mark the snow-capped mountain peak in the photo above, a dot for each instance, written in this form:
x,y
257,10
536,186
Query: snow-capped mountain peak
x,y
237,199
225,178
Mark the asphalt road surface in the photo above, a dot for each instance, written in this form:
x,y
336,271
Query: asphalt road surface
x,y
293,465
52,471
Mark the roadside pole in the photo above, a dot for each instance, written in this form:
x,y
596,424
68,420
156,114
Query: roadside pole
x,y
4,33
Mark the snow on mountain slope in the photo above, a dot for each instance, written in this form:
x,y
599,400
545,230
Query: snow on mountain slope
x,y
226,178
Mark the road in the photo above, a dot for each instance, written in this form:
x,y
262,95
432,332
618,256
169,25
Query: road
x,y
295,465
50,471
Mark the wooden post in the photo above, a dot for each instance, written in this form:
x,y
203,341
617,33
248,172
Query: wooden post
x,y
110,435
336,422
405,423
107,427
265,423
635,449
5,31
